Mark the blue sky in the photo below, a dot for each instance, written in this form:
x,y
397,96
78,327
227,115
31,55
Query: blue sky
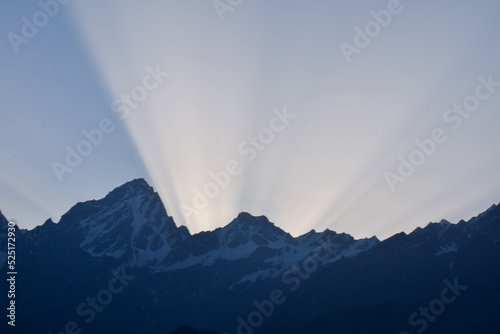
x,y
182,90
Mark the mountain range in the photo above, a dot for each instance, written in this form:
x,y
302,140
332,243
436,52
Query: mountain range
x,y
121,265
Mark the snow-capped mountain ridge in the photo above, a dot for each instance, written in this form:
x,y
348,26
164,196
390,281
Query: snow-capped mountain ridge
x,y
130,222
257,239
210,278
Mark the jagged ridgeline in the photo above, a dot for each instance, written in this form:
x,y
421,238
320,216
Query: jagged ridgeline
x,y
121,265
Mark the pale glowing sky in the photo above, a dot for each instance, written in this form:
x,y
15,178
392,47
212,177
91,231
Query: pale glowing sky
x,y
325,169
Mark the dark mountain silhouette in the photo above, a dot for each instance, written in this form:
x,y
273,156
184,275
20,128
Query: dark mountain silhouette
x,y
121,265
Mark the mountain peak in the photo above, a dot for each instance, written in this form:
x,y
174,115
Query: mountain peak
x,y
247,227
444,222
129,190
139,182
249,218
492,208
135,185
245,221
244,215
130,222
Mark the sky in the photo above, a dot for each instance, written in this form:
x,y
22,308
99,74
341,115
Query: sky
x,y
365,117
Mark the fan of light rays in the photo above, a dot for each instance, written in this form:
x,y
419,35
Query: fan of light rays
x,y
225,82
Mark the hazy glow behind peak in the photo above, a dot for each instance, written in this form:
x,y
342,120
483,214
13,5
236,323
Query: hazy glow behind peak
x,y
325,170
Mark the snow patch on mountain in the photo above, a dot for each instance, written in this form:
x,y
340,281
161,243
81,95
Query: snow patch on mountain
x,y
130,223
222,253
353,249
252,278
450,248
